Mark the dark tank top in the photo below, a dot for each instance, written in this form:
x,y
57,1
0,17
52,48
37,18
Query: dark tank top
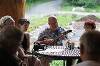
x,y
24,43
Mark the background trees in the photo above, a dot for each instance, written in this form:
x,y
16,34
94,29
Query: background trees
x,y
85,3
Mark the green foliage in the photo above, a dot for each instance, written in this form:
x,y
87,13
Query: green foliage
x,y
34,1
66,6
30,3
85,3
93,9
90,3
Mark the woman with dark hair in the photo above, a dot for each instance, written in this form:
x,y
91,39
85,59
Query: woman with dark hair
x,y
23,25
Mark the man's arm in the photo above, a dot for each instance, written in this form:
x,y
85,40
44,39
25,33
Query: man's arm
x,y
28,41
43,39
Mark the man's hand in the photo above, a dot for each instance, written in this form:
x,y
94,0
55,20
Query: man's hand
x,y
48,41
61,37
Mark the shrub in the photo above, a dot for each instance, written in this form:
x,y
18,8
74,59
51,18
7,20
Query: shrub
x,y
85,3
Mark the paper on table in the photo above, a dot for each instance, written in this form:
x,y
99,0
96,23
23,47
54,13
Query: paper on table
x,y
52,50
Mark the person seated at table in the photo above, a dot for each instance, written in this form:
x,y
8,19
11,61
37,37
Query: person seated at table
x,y
89,25
52,36
90,49
23,24
10,39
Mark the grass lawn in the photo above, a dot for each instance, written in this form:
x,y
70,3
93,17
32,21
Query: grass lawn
x,y
56,63
36,22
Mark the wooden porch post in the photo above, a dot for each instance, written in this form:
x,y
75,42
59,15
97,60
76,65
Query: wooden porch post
x,y
14,8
